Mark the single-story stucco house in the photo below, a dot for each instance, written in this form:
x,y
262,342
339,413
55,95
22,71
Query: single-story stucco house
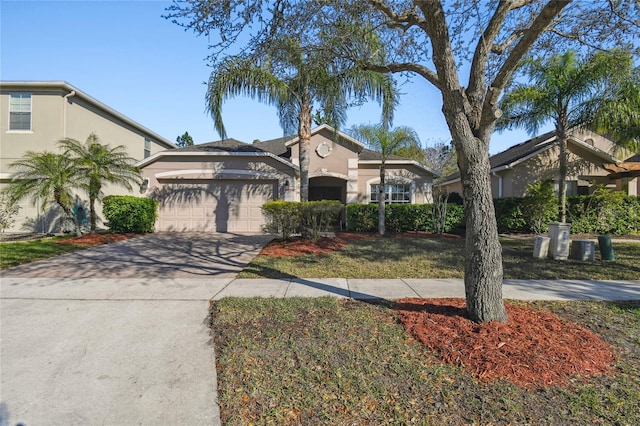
x,y
537,159
221,186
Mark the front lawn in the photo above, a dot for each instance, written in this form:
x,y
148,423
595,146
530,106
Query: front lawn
x,y
331,361
407,257
18,253
14,254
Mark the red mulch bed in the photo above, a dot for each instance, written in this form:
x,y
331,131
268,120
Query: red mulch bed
x,y
96,239
534,348
299,246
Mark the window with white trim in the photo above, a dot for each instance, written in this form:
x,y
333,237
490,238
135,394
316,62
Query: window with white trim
x,y
395,193
147,148
20,111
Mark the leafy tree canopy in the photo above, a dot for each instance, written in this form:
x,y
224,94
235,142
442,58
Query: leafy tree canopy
x,y
184,140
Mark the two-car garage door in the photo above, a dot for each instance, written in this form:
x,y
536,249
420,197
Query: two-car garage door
x,y
214,206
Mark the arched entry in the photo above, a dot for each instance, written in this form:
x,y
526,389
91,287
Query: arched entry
x,y
327,188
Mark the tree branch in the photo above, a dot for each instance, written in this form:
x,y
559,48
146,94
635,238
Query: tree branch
x,y
499,49
529,36
396,67
404,21
477,80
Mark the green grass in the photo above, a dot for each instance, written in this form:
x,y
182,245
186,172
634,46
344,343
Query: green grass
x,y
326,361
438,258
18,253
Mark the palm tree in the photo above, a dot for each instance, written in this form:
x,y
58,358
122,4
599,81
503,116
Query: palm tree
x,y
48,177
619,115
387,142
569,91
98,164
295,81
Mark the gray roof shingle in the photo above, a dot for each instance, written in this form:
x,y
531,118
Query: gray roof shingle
x,y
226,145
515,153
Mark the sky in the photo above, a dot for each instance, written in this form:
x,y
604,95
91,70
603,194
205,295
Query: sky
x,y
127,56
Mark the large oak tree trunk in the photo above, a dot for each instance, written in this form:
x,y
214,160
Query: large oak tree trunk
x,y
483,252
304,135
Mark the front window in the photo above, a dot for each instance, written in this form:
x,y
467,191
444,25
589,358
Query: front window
x,y
395,193
20,111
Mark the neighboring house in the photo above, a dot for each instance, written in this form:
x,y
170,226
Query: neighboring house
x,y
220,186
35,115
538,159
626,174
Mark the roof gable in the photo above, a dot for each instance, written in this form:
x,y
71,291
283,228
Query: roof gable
x,y
338,136
521,152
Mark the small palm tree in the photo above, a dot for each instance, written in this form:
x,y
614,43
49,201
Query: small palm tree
x,y
98,164
48,177
572,93
387,142
294,81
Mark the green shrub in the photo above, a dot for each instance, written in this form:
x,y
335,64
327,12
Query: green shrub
x,y
318,216
604,212
531,213
540,206
282,217
309,218
126,213
362,217
401,217
509,215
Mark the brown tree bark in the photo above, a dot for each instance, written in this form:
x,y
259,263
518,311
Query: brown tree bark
x,y
483,252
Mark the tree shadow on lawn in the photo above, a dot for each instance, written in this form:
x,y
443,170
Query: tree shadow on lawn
x,y
397,248
518,263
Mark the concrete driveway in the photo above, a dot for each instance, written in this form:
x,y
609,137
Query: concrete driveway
x,y
116,334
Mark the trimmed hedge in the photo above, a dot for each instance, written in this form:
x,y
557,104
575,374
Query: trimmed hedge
x,y
603,212
308,218
127,213
401,218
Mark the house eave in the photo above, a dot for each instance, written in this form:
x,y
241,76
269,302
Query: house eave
x,y
326,127
159,155
402,163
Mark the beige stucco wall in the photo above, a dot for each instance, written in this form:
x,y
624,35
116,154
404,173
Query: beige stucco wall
x,y
201,167
581,168
369,174
336,162
52,118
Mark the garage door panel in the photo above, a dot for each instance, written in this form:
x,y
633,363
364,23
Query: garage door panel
x,y
216,206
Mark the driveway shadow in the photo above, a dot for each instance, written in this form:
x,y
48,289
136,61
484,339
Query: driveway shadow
x,y
161,255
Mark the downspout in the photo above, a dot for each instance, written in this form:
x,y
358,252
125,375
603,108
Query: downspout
x,y
65,100
499,183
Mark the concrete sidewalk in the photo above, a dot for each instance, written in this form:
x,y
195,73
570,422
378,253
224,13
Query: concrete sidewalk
x,y
138,350
427,288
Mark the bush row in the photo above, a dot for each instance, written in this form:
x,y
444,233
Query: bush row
x,y
603,212
126,213
308,218
403,218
